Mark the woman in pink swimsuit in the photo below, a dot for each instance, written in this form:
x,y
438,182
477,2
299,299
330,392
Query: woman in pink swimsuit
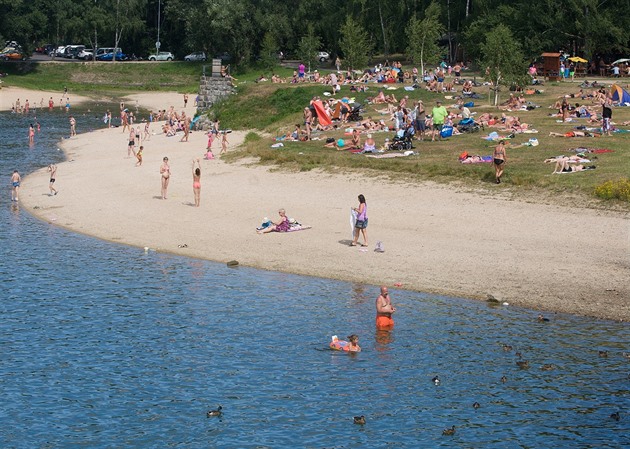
x,y
196,174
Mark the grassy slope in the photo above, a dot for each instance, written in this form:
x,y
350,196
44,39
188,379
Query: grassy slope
x,y
275,109
104,77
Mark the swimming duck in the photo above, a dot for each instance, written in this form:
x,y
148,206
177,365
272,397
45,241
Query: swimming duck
x,y
360,420
507,348
212,413
616,416
476,405
548,367
542,318
503,379
522,364
450,431
519,355
603,353
436,380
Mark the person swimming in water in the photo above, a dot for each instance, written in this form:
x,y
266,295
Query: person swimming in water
x,y
352,345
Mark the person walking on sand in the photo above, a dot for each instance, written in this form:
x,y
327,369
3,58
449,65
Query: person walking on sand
x,y
165,171
224,143
52,169
131,148
499,159
384,310
147,131
139,156
196,174
210,139
16,179
361,223
185,100
186,130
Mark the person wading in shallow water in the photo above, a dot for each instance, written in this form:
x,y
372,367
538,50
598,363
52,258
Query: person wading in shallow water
x,y
384,310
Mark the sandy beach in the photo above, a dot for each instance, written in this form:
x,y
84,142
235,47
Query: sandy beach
x,y
37,99
437,238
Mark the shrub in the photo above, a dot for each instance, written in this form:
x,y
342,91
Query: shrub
x,y
619,189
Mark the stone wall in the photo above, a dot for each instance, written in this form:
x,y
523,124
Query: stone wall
x,y
213,89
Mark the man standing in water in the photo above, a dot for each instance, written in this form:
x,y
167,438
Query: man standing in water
x,y
15,185
384,310
52,168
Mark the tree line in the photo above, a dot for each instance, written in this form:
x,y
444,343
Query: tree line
x,y
257,30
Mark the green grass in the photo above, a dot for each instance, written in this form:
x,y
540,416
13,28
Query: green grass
x,y
104,77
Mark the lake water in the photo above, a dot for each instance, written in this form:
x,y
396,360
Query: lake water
x,y
103,345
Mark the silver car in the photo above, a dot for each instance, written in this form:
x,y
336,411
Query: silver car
x,y
196,56
162,56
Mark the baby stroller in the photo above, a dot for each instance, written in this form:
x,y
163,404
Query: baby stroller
x,y
403,140
355,113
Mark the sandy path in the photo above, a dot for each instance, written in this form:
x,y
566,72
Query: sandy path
x,y
436,238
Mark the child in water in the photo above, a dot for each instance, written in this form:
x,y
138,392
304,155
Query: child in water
x,y
352,345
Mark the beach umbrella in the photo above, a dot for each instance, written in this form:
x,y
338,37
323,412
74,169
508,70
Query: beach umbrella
x,y
619,61
577,59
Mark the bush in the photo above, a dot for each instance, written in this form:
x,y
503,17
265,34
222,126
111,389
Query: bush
x,y
619,189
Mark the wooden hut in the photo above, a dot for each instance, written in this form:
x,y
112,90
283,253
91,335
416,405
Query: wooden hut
x,y
551,66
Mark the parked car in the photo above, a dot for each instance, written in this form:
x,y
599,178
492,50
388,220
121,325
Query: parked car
x,y
162,56
72,51
323,56
224,57
12,55
45,49
109,55
103,50
86,54
59,51
196,56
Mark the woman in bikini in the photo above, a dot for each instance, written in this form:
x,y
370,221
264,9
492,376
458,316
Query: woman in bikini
x,y
196,174
165,171
499,160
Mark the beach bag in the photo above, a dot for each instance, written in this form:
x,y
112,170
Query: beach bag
x,y
379,247
466,121
533,142
447,131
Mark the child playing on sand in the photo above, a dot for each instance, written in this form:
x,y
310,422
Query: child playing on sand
x,y
224,143
139,156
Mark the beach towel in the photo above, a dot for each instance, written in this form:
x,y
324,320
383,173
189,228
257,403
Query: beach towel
x,y
353,222
476,160
409,88
391,155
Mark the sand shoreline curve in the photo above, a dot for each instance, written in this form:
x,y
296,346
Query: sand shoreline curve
x,y
437,239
